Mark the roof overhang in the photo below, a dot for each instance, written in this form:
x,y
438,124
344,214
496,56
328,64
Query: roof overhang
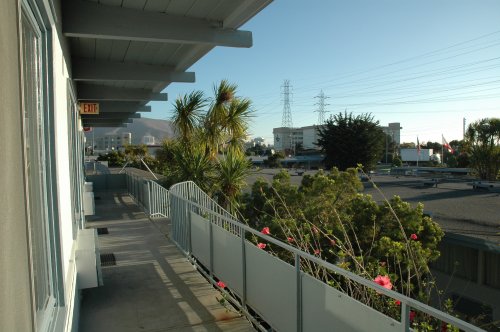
x,y
124,54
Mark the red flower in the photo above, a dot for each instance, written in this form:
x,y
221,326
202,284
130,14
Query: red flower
x,y
414,237
221,284
397,302
444,327
317,251
290,239
383,281
265,231
261,245
412,316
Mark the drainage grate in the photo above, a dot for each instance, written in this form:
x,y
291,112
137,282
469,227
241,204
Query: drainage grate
x,y
102,230
108,259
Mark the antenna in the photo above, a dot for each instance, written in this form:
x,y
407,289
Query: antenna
x,y
321,107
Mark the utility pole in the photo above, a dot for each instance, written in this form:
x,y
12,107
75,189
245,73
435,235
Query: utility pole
x,y
321,107
287,113
463,133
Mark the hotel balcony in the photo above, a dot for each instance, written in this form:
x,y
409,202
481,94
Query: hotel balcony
x,y
164,251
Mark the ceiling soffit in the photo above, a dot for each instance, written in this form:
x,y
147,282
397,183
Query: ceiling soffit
x,y
124,53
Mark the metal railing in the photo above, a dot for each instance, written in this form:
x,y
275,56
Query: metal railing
x,y
138,189
158,200
284,296
269,291
149,195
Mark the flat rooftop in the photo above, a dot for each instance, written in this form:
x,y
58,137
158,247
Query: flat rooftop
x,y
454,204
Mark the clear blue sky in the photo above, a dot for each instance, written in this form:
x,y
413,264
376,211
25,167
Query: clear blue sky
x,y
424,63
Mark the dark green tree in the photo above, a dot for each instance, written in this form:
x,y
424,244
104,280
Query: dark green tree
x,y
407,145
457,145
397,162
349,140
482,141
274,159
435,146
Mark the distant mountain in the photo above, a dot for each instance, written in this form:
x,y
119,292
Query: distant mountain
x,y
139,128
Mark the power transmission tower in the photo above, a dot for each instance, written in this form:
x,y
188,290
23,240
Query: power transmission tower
x,y
287,113
321,107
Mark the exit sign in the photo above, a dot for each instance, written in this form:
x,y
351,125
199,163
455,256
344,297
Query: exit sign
x,y
89,108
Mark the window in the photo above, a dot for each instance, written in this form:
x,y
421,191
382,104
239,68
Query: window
x,y
35,166
75,147
38,142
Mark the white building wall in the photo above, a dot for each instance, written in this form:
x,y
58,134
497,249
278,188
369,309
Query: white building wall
x,y
15,295
310,138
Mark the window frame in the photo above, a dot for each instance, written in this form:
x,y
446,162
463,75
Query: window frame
x,y
46,199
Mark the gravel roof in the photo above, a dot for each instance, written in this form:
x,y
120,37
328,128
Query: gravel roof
x,y
454,204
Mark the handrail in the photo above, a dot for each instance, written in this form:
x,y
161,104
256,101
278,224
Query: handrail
x,y
186,191
185,197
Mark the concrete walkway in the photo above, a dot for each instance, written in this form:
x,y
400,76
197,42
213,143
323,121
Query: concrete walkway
x,y
152,287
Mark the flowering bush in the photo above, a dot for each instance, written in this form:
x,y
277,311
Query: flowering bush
x,y
327,216
383,281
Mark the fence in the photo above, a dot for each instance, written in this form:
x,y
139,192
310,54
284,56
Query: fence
x,y
269,291
138,188
158,200
148,194
283,295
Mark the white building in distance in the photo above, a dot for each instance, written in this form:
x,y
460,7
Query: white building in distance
x,y
113,141
286,138
394,130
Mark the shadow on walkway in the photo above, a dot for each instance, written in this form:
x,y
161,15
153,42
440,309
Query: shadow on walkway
x,y
152,287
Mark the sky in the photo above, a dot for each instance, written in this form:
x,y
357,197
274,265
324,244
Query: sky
x,y
427,64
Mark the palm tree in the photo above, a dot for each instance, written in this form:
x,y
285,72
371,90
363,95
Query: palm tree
x,y
201,137
215,121
236,124
482,140
188,114
192,164
232,172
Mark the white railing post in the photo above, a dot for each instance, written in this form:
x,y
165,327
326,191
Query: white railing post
x,y
299,292
244,268
405,317
149,188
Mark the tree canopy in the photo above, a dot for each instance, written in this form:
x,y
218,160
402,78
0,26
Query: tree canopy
x,y
208,127
482,142
349,140
328,217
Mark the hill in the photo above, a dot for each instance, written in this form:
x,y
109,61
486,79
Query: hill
x,y
139,128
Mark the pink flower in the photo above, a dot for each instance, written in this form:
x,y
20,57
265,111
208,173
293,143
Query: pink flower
x,y
332,242
414,237
317,251
412,316
383,281
221,284
290,239
261,245
397,302
265,231
315,230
